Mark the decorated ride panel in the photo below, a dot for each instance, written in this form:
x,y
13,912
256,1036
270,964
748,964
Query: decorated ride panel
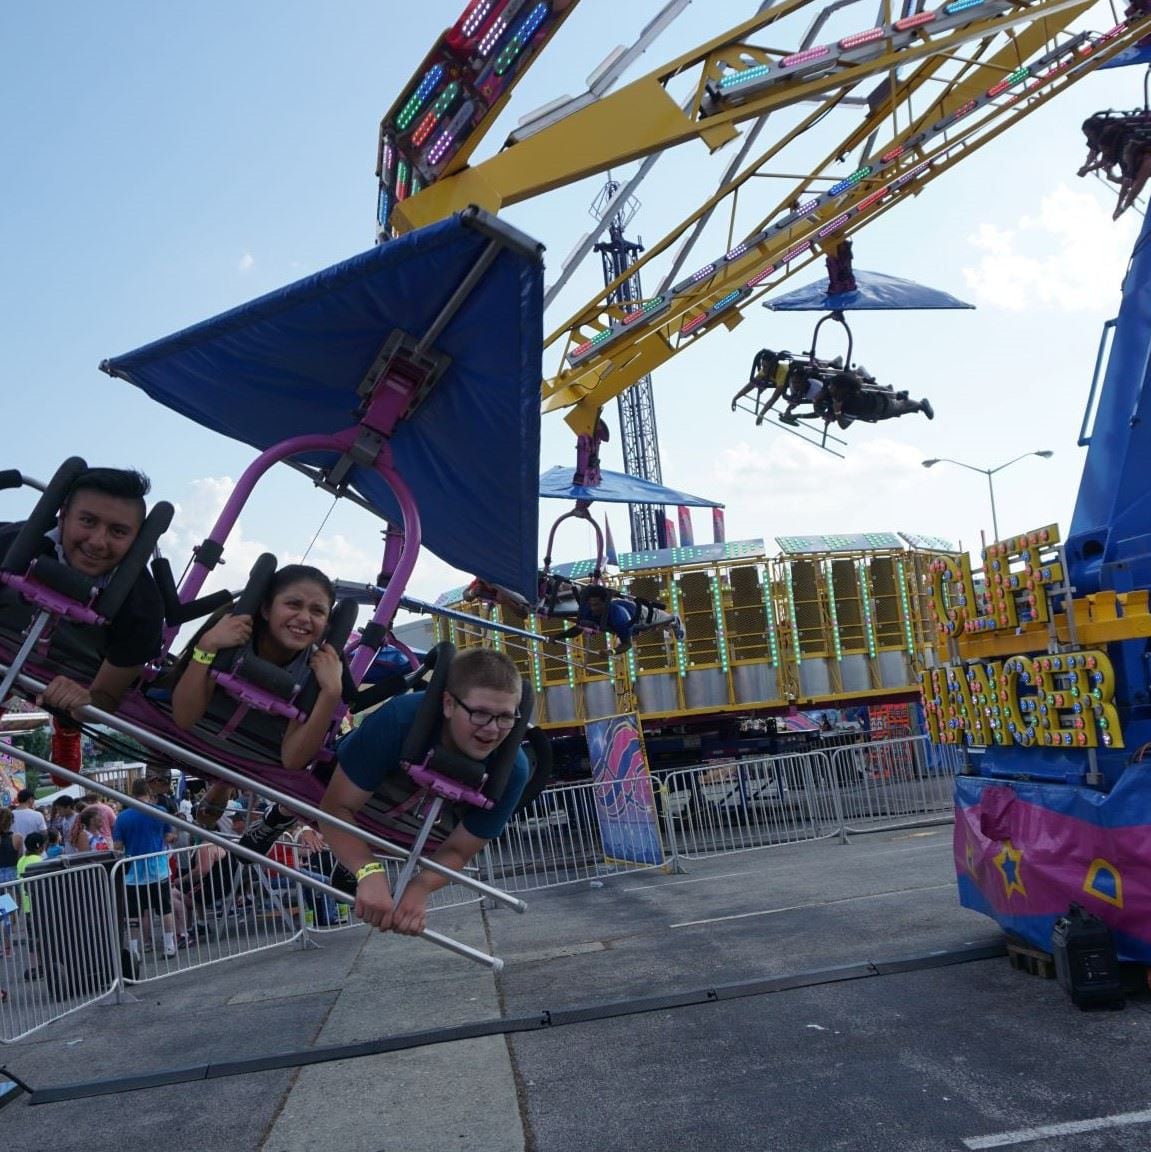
x,y
1026,663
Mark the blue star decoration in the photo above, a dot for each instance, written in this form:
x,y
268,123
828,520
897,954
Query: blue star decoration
x,y
1009,862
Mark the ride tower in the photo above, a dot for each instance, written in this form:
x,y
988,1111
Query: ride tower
x,y
640,439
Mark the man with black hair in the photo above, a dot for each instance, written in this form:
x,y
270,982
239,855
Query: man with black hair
x,y
601,611
26,818
99,519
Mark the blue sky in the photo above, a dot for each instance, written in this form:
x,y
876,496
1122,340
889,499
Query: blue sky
x,y
164,163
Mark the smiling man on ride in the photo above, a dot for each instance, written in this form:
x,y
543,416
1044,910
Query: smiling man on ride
x,y
98,522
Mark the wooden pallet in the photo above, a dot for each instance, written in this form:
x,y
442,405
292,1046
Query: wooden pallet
x,y
1030,960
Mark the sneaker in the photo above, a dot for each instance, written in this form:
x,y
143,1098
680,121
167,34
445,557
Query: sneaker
x,y
926,409
788,418
677,628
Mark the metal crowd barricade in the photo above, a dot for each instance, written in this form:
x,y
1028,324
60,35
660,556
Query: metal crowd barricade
x,y
715,809
209,906
60,946
862,786
896,783
557,839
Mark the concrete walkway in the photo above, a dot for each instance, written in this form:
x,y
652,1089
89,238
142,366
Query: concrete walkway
x,y
922,1059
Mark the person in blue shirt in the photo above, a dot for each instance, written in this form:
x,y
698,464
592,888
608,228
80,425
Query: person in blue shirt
x,y
480,707
143,839
621,616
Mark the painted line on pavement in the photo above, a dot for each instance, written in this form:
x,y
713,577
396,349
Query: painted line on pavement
x,y
813,904
1070,1128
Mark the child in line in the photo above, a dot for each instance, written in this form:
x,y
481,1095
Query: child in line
x,y
34,845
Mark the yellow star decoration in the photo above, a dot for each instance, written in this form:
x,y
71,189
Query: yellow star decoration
x,y
1009,861
1104,870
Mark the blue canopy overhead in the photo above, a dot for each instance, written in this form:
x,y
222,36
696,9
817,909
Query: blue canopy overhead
x,y
615,488
289,364
875,290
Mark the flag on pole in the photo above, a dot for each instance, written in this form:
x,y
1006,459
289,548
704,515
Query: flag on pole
x,y
686,533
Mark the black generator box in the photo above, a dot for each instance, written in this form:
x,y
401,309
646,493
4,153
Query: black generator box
x,y
1085,960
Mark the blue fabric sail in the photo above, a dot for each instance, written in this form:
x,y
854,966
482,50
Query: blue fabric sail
x,y
289,364
616,488
874,290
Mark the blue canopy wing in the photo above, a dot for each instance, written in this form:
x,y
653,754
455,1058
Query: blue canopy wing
x,y
289,363
616,488
874,290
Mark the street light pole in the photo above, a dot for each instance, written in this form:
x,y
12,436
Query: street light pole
x,y
1045,453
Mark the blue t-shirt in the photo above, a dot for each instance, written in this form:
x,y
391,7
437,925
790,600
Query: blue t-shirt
x,y
142,835
370,752
620,618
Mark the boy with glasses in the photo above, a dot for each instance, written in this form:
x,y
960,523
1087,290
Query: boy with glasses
x,y
480,707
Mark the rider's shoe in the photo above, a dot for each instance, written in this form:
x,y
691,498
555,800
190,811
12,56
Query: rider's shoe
x,y
265,831
678,629
926,409
788,418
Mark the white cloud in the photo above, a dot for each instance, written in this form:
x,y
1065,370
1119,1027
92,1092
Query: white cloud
x,y
194,519
1069,257
789,488
247,262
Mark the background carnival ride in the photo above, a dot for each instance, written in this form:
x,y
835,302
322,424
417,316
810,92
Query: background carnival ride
x,y
922,90
1043,661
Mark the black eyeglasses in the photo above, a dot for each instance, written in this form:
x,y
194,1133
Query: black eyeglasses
x,y
481,717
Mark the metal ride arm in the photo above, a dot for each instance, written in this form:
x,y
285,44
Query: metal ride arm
x,y
289,803
993,60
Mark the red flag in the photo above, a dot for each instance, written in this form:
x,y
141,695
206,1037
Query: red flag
x,y
686,533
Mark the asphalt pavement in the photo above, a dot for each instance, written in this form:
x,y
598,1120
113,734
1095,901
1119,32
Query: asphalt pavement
x,y
805,997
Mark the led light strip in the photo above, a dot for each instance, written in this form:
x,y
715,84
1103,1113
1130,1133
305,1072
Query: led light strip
x,y
520,39
829,578
771,628
680,649
863,578
474,15
794,622
422,92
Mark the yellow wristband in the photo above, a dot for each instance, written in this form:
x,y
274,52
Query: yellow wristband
x,y
369,869
202,657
